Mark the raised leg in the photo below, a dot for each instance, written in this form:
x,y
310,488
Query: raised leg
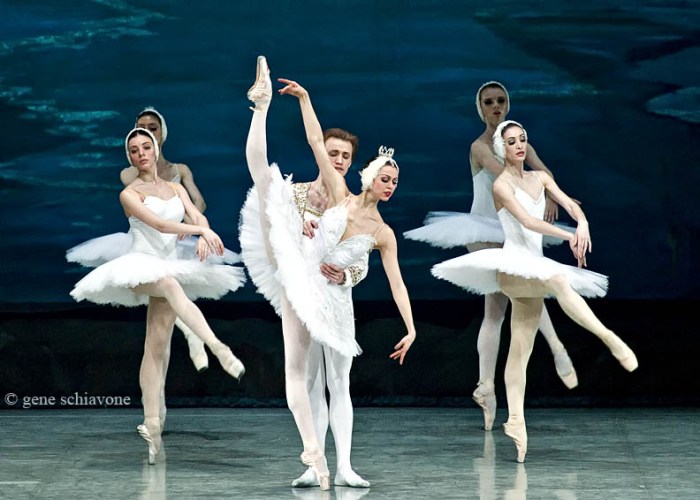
x,y
189,313
577,309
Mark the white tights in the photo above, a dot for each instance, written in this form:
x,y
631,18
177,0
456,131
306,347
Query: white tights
x,y
297,340
490,334
329,369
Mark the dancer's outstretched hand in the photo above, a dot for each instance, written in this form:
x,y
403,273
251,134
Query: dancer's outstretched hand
x,y
292,88
402,347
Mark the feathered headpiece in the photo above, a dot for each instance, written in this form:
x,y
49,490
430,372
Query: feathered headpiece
x,y
499,145
371,171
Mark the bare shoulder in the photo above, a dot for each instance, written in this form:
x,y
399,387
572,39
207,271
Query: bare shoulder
x,y
386,238
128,175
183,168
502,184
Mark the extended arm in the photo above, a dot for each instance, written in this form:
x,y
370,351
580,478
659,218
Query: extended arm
x,y
388,250
332,180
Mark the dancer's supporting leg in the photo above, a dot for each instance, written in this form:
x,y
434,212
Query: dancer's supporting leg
x,y
341,417
487,344
525,316
296,357
159,329
562,362
316,387
189,313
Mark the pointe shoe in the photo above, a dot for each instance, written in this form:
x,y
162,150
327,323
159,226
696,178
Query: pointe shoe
x,y
307,480
152,437
198,354
317,461
565,369
350,478
622,353
518,434
261,91
230,363
485,396
200,359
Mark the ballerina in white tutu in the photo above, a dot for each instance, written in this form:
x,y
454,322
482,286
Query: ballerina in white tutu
x,y
288,270
151,273
526,277
481,229
97,251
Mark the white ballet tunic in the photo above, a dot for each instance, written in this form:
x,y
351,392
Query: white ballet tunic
x,y
521,255
480,225
154,255
97,251
326,309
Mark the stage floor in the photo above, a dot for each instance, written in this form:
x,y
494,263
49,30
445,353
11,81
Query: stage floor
x,y
404,452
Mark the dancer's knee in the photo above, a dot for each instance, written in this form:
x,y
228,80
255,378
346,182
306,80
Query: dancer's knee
x,y
558,284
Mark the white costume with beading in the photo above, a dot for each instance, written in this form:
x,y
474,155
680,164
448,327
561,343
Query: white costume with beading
x,y
325,308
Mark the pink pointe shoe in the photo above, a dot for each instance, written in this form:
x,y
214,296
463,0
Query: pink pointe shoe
x,y
152,437
485,396
622,353
317,461
230,363
518,434
261,91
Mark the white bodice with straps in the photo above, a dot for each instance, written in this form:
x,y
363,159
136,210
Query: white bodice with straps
x,y
521,255
154,255
325,308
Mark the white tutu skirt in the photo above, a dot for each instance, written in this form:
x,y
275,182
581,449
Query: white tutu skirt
x,y
325,309
97,251
254,252
478,272
455,229
111,282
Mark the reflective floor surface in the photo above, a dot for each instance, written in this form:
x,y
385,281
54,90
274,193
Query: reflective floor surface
x,y
406,453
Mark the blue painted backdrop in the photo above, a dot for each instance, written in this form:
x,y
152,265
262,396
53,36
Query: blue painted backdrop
x,y
609,92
